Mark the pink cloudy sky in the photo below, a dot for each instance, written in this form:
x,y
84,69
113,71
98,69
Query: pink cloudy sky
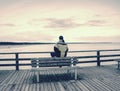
x,y
45,20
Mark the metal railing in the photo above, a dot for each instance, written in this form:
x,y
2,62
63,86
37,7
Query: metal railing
x,y
99,57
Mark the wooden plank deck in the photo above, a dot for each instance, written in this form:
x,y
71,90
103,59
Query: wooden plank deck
x,y
104,78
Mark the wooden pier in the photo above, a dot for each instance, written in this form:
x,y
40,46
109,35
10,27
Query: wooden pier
x,y
103,78
97,78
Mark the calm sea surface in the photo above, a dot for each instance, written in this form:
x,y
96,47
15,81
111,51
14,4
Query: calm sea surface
x,y
49,48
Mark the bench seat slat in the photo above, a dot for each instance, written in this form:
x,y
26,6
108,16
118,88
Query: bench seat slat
x,y
38,62
51,64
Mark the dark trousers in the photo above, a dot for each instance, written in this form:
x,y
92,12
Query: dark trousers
x,y
53,54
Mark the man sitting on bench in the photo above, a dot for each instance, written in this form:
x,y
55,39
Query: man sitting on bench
x,y
60,48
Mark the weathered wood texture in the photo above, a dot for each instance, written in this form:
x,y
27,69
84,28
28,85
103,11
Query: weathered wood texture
x,y
104,78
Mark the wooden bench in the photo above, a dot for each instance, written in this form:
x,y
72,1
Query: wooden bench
x,y
70,64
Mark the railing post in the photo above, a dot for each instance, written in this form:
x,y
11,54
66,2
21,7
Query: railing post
x,y
17,61
98,58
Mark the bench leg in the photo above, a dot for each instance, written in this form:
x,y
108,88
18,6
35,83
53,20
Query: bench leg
x,y
75,73
69,72
37,76
118,65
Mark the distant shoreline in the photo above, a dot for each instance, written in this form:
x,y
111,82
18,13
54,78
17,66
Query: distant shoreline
x,y
34,43
22,43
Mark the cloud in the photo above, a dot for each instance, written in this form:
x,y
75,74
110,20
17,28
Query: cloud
x,y
66,23
96,22
8,25
55,23
60,23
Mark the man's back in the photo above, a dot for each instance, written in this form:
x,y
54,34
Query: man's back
x,y
63,48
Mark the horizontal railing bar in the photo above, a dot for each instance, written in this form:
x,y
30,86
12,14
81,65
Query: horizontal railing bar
x,y
95,50
27,64
13,59
108,60
50,51
113,55
79,57
8,59
14,64
7,64
90,61
24,52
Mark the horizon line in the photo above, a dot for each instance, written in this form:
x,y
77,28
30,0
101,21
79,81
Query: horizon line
x,y
20,43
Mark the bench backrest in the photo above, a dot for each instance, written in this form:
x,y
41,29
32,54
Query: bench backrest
x,y
40,62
